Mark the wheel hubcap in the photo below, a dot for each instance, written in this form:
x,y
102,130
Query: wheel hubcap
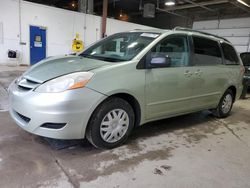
x,y
227,103
114,125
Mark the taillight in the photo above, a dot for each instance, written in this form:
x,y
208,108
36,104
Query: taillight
x,y
242,70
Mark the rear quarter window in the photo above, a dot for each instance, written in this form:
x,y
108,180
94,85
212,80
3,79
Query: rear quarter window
x,y
231,57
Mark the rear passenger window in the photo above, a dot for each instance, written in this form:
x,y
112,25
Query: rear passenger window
x,y
230,54
206,51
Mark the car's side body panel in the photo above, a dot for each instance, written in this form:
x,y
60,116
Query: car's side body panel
x,y
168,91
121,78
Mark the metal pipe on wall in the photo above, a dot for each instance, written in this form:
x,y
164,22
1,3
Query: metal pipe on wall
x,y
21,43
206,3
86,6
199,5
20,21
237,4
104,17
172,13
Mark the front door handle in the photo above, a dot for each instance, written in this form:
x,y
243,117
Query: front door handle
x,y
188,73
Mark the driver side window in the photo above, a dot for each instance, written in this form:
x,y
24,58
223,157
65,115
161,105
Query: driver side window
x,y
174,48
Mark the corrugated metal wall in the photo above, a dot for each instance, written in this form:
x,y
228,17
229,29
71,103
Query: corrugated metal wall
x,y
236,31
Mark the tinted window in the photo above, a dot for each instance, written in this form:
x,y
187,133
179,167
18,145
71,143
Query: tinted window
x,y
230,55
175,48
206,51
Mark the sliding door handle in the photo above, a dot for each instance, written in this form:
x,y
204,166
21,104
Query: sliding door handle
x,y
188,73
198,72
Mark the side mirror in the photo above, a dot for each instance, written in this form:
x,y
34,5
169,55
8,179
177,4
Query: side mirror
x,y
160,61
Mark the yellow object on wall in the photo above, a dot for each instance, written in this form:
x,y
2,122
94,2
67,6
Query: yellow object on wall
x,y
77,44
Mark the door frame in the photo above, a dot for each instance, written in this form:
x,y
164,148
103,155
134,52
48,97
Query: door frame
x,y
46,49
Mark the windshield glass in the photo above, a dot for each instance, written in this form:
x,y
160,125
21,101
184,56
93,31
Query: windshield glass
x,y
245,57
120,47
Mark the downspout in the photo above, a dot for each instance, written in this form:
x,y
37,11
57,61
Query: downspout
x,y
20,22
21,43
85,20
104,17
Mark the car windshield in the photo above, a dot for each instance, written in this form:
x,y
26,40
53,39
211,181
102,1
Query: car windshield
x,y
245,57
120,47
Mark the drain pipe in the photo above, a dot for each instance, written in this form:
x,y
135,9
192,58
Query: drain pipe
x,y
104,17
20,22
21,43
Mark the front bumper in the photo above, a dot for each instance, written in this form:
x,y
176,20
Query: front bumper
x,y
73,108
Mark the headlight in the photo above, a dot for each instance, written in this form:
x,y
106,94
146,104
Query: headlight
x,y
17,80
67,82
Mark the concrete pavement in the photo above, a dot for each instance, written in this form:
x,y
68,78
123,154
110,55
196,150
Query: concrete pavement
x,y
195,150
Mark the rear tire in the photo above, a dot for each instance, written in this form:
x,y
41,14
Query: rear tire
x,y
225,105
110,124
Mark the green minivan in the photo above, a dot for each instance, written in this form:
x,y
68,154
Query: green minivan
x,y
126,80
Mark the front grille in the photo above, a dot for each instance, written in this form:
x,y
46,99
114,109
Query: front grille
x,y
53,125
26,119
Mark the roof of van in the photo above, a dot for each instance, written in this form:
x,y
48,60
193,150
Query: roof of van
x,y
185,30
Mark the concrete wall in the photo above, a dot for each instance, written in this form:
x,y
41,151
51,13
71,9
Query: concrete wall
x,y
236,31
61,25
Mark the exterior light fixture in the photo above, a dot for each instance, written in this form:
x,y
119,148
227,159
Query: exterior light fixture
x,y
170,2
243,3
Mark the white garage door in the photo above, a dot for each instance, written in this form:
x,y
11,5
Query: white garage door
x,y
1,33
236,31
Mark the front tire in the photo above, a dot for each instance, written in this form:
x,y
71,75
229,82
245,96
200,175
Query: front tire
x,y
225,105
111,123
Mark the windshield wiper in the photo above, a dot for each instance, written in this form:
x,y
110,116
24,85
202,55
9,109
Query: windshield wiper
x,y
110,59
101,58
86,55
90,56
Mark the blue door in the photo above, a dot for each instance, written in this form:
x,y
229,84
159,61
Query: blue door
x,y
37,44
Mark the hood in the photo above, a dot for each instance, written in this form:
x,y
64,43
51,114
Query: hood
x,y
53,67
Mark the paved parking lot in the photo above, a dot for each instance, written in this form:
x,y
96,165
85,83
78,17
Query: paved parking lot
x,y
195,150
